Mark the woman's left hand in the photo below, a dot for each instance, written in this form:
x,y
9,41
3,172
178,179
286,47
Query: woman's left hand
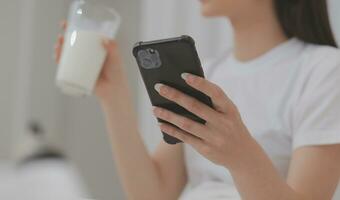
x,y
223,139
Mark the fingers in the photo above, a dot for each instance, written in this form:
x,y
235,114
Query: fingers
x,y
113,57
220,100
186,124
189,103
182,135
60,41
63,25
58,48
109,45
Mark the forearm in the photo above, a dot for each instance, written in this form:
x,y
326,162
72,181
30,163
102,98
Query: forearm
x,y
257,179
138,172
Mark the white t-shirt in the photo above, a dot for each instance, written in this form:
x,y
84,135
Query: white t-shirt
x,y
288,98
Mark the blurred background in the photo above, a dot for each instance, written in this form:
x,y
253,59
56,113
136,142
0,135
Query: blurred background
x,y
56,147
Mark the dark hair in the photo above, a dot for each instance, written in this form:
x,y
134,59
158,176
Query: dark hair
x,y
306,20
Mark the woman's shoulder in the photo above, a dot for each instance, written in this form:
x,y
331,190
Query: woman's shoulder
x,y
321,56
320,68
320,60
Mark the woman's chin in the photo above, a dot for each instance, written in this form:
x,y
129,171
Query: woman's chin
x,y
208,13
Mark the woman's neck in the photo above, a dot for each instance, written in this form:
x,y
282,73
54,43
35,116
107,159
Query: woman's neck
x,y
257,34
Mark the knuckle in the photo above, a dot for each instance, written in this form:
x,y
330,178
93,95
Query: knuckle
x,y
172,131
217,92
168,129
166,114
182,137
193,105
178,135
186,124
161,113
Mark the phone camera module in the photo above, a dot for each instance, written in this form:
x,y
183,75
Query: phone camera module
x,y
149,58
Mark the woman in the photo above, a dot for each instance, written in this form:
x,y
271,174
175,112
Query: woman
x,y
274,132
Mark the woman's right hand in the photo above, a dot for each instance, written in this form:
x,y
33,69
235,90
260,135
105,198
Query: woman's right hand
x,y
111,77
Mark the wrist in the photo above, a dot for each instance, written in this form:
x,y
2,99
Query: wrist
x,y
249,157
114,91
116,101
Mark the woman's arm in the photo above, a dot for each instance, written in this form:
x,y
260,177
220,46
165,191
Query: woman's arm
x,y
225,140
315,170
144,177
313,175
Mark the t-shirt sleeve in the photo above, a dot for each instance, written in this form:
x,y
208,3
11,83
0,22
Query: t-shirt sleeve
x,y
316,118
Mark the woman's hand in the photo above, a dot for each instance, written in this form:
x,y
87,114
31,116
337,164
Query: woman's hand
x,y
224,139
111,76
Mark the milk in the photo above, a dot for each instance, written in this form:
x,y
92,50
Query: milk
x,y
82,59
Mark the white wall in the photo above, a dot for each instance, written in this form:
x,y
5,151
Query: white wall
x,y
86,139
334,6
8,61
35,97
29,31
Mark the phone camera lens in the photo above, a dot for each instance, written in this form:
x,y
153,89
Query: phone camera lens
x,y
147,62
152,51
143,53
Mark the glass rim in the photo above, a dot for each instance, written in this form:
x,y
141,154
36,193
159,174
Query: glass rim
x,y
96,5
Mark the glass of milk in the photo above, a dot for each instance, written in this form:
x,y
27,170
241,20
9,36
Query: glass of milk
x,y
83,54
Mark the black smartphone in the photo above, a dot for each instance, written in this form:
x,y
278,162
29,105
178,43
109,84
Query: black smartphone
x,y
163,61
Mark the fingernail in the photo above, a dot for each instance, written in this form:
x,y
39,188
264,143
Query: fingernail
x,y
158,87
185,76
